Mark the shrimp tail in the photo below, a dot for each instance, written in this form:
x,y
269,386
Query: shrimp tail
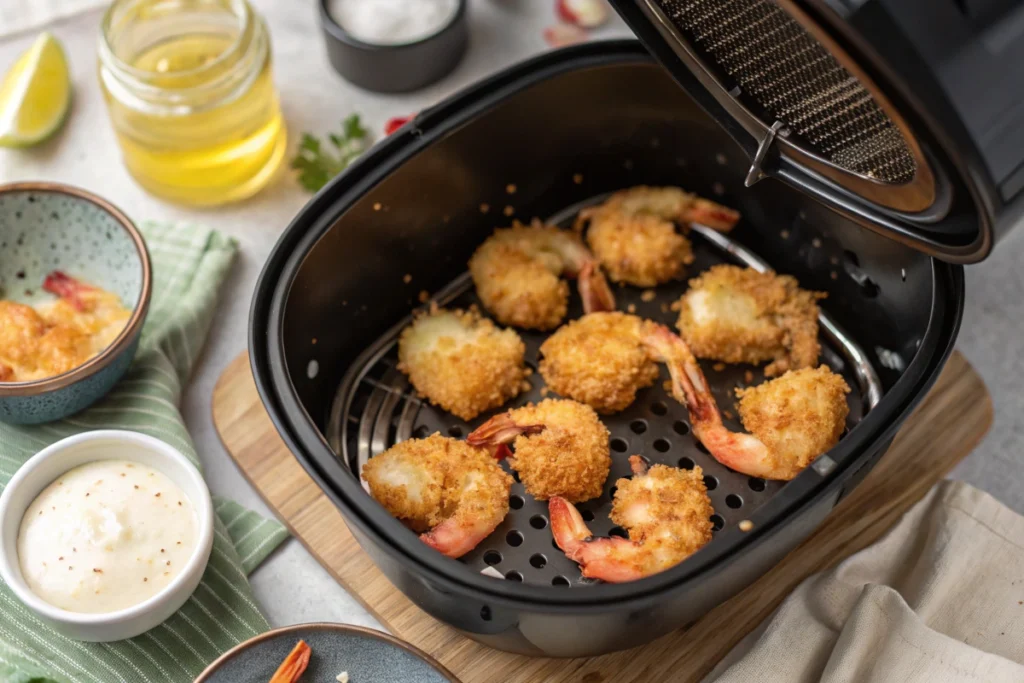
x,y
609,559
638,465
454,538
500,430
714,216
594,289
567,526
67,288
689,386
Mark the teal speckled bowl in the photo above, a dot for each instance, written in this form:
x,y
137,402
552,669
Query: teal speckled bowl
x,y
46,227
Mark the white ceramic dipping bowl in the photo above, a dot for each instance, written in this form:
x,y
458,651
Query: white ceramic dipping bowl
x,y
51,462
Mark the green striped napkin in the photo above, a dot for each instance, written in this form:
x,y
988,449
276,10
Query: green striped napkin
x,y
189,265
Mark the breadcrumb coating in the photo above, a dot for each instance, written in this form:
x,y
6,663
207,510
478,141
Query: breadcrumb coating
x,y
668,511
518,273
461,361
643,251
633,233
569,458
441,483
797,416
598,360
738,315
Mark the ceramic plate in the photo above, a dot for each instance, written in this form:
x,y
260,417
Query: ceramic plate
x,y
368,656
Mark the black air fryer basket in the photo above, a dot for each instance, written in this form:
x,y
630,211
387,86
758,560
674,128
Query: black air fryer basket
x,y
565,129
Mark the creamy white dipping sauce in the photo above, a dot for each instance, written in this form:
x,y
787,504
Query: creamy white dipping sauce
x,y
392,22
106,536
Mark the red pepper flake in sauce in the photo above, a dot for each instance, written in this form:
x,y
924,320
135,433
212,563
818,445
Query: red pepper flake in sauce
x,y
136,486
157,494
144,579
161,549
60,559
97,570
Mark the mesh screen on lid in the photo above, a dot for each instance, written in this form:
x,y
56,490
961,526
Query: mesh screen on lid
x,y
795,80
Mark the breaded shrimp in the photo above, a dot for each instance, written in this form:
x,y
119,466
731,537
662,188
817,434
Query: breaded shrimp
x,y
599,360
738,315
633,233
561,448
797,416
666,511
792,419
452,492
461,361
518,275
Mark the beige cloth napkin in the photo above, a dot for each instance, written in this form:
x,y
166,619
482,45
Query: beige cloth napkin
x,y
939,598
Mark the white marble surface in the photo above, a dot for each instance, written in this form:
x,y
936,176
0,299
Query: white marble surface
x,y
291,586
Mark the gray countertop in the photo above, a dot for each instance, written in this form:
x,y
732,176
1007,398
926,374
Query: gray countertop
x,y
291,586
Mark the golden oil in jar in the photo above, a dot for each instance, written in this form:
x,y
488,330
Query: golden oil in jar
x,y
191,97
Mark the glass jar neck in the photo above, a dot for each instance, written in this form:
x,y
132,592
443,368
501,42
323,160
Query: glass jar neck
x,y
140,67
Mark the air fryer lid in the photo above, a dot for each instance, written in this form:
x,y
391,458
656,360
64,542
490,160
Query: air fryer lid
x,y
806,111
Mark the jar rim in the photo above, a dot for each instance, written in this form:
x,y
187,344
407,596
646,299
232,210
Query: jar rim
x,y
240,8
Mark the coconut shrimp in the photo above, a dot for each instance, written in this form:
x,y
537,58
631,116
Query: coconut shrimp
x,y
518,275
792,419
633,234
666,511
453,493
738,315
560,448
599,360
461,361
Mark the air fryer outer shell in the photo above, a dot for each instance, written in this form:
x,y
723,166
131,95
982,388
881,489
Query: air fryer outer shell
x,y
327,254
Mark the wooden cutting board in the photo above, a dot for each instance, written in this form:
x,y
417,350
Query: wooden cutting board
x,y
947,425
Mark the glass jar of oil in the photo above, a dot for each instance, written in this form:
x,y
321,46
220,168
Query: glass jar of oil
x,y
191,98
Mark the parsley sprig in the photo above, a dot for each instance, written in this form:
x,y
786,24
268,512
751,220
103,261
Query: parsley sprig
x,y
317,163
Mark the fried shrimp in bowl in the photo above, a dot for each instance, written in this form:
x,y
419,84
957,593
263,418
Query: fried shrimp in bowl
x,y
791,419
518,275
666,511
634,236
461,361
740,315
453,494
560,448
599,359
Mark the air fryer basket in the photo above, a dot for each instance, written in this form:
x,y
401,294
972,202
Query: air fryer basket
x,y
538,140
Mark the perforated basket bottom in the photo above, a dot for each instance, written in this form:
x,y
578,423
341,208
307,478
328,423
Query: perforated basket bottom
x,y
384,411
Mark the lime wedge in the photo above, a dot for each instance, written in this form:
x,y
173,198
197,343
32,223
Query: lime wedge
x,y
34,94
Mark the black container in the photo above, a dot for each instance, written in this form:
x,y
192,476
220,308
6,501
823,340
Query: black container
x,y
564,128
396,68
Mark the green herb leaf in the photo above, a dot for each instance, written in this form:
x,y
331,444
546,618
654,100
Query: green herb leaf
x,y
317,164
